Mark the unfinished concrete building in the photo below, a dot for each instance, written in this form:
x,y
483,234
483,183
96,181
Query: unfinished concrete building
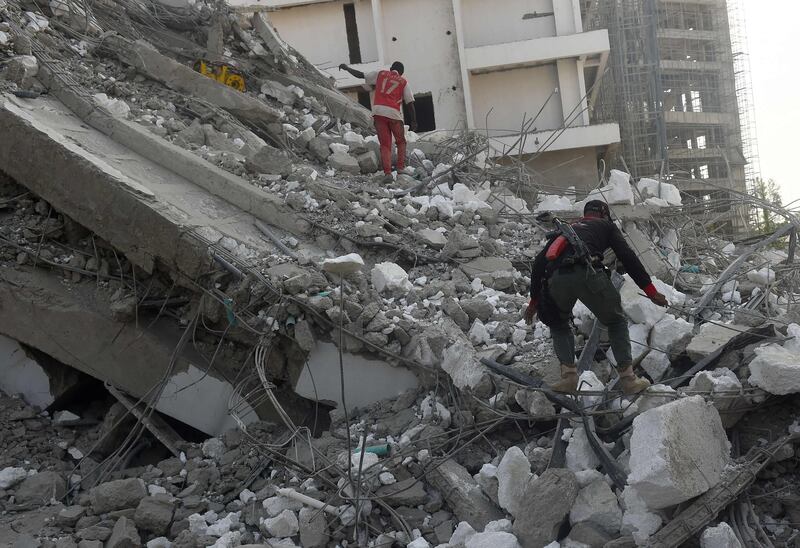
x,y
678,86
518,72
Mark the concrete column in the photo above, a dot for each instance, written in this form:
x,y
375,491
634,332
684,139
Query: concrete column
x,y
572,89
465,81
377,19
567,14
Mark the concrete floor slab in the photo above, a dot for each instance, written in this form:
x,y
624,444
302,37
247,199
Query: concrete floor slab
x,y
141,208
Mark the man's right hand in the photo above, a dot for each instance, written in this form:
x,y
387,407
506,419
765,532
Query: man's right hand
x,y
343,67
530,312
660,300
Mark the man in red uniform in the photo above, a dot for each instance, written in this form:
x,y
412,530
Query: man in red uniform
x,y
391,91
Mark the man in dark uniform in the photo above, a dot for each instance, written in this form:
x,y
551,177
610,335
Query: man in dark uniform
x,y
569,278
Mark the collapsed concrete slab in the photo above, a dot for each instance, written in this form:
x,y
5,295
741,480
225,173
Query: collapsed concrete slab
x,y
96,181
75,326
678,451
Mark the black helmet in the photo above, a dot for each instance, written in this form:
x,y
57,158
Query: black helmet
x,y
597,206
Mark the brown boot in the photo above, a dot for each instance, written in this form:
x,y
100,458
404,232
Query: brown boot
x,y
631,384
569,379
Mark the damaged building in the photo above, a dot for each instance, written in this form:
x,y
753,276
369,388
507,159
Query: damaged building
x,y
218,328
523,75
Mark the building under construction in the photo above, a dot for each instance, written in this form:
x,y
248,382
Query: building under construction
x,y
678,84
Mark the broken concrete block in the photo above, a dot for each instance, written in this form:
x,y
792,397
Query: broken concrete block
x,y
464,496
597,504
320,148
344,162
271,161
637,520
478,308
488,269
432,238
278,91
124,535
344,264
478,334
650,188
717,380
154,514
21,68
117,495
461,362
548,501
495,540
637,306
304,335
535,403
711,337
678,451
390,278
40,488
617,191
721,536
513,476
313,528
283,525
9,477
580,455
368,162
775,369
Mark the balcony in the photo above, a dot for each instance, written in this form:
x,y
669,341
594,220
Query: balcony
x,y
572,137
706,66
536,51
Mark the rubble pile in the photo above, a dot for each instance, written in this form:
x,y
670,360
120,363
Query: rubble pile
x,y
427,274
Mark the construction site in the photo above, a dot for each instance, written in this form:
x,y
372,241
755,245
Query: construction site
x,y
222,324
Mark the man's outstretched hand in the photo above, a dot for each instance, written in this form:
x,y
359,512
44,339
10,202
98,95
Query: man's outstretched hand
x,y
659,299
530,312
343,67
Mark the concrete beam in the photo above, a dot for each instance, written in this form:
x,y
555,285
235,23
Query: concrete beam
x,y
142,209
146,59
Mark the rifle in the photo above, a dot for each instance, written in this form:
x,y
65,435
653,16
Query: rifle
x,y
580,250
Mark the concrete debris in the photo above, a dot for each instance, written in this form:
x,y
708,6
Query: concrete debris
x,y
720,536
236,200
775,369
390,278
549,498
678,451
513,476
710,337
596,503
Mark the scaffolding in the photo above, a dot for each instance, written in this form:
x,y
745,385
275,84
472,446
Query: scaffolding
x,y
678,85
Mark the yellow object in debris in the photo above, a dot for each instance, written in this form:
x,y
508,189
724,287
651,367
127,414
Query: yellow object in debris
x,y
222,73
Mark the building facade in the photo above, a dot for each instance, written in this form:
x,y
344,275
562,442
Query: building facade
x,y
484,65
679,89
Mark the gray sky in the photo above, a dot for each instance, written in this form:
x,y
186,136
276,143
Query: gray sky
x,y
773,35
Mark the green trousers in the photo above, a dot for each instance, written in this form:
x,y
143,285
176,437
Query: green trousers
x,y
595,290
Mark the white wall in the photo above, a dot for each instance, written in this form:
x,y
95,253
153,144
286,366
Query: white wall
x,y
318,32
499,22
510,94
429,54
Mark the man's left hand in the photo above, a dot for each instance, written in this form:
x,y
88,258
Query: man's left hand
x,y
343,67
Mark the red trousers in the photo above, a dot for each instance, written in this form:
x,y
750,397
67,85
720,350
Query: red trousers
x,y
386,127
